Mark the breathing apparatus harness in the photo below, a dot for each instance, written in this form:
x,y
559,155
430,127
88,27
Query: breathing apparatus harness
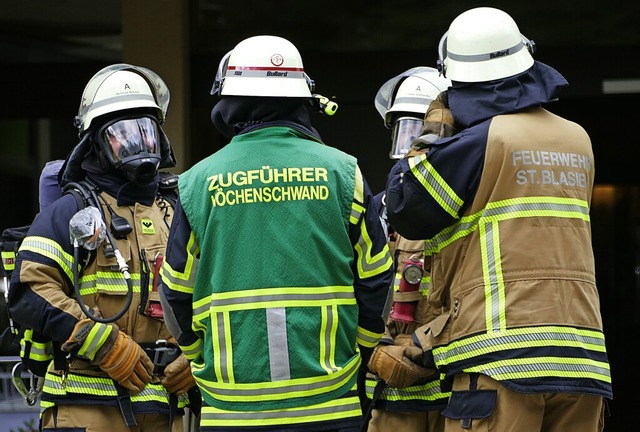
x,y
87,198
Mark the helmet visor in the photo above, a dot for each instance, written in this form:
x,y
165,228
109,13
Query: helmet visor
x,y
405,130
125,138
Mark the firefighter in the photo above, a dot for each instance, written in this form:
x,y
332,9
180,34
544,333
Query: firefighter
x,y
402,102
115,364
277,267
504,208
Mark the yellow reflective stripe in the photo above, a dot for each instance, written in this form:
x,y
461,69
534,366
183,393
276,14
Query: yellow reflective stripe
x,y
278,297
358,194
429,178
183,281
518,338
367,338
222,347
513,208
50,249
277,390
108,282
38,351
327,336
192,351
543,367
494,289
344,407
367,264
425,284
429,392
538,206
201,309
99,386
95,339
357,210
8,260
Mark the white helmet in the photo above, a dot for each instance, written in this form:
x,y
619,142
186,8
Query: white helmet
x,y
484,44
268,66
402,103
121,87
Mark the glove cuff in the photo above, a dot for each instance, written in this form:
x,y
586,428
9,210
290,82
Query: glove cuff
x,y
99,339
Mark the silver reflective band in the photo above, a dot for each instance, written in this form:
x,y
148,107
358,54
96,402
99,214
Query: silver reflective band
x,y
262,73
482,57
417,100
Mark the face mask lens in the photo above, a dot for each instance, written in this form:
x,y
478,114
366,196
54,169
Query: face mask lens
x,y
405,130
130,137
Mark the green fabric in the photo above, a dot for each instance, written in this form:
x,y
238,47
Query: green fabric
x,y
271,211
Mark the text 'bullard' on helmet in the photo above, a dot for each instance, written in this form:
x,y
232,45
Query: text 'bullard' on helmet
x,y
122,87
265,65
484,44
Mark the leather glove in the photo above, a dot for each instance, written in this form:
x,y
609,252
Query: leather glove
x,y
403,340
105,346
177,376
392,364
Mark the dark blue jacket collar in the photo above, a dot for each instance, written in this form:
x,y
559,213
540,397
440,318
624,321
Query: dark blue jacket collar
x,y
472,103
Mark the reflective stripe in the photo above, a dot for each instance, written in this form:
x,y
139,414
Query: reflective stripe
x,y
101,386
367,338
281,297
509,209
472,58
358,194
38,351
542,367
430,392
429,178
278,346
341,408
8,260
50,249
328,331
95,339
185,281
272,391
495,319
530,338
367,264
107,281
356,213
192,351
265,72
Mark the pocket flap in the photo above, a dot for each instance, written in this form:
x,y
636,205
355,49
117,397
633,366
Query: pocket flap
x,y
471,404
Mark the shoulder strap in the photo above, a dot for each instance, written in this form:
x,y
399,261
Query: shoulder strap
x,y
169,187
81,191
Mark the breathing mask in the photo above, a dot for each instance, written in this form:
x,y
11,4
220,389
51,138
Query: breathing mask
x,y
132,146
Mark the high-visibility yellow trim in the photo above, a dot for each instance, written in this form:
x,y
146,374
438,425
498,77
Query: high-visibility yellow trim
x,y
50,249
183,281
277,390
439,190
344,407
367,264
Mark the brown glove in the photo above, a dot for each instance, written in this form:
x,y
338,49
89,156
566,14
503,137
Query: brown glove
x,y
177,376
391,364
403,340
113,351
